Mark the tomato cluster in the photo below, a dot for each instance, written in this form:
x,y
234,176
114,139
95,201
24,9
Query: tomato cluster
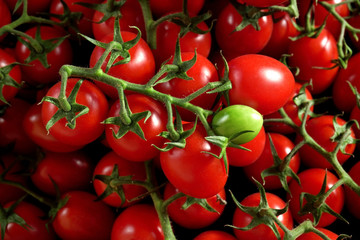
x,y
161,119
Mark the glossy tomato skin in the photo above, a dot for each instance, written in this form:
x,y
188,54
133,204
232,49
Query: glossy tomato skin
x,y
242,219
125,168
35,220
321,129
202,73
13,134
139,221
7,192
88,126
83,218
191,170
163,7
308,54
283,146
311,181
139,70
251,72
131,15
352,199
36,73
314,236
214,235
9,92
344,99
238,43
166,36
291,110
70,171
141,150
195,216
36,131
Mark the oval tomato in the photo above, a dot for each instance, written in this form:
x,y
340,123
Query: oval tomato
x,y
192,170
195,216
214,235
283,146
88,126
125,168
252,72
139,221
311,182
262,231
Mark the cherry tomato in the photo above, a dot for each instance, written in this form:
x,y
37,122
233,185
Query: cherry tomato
x,y
353,199
202,73
139,70
321,129
263,3
141,150
125,168
83,218
191,169
9,92
238,43
88,126
251,72
235,119
283,146
195,216
314,236
241,158
344,99
34,6
36,73
69,171
35,224
242,219
314,58
291,110
311,181
355,22
139,221
163,7
214,235
5,17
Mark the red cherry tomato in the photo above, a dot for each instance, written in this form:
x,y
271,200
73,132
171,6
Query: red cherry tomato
x,y
355,22
263,3
353,199
311,181
214,235
34,6
125,168
314,236
163,7
5,16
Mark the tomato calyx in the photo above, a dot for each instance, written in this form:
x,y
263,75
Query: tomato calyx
x,y
315,204
202,202
7,80
342,134
109,8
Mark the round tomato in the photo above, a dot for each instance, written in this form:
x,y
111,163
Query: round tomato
x,y
36,224
256,78
314,58
202,73
8,92
83,218
283,146
35,72
191,169
353,199
125,168
235,119
262,231
321,129
140,69
195,216
131,146
214,235
69,171
241,158
291,110
313,236
88,126
37,132
311,181
343,97
139,221
236,43
163,7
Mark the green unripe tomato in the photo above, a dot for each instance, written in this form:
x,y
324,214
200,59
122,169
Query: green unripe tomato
x,y
234,119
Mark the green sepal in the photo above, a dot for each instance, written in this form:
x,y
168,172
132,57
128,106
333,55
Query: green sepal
x,y
316,205
7,80
7,216
77,110
54,210
200,201
189,24
46,46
